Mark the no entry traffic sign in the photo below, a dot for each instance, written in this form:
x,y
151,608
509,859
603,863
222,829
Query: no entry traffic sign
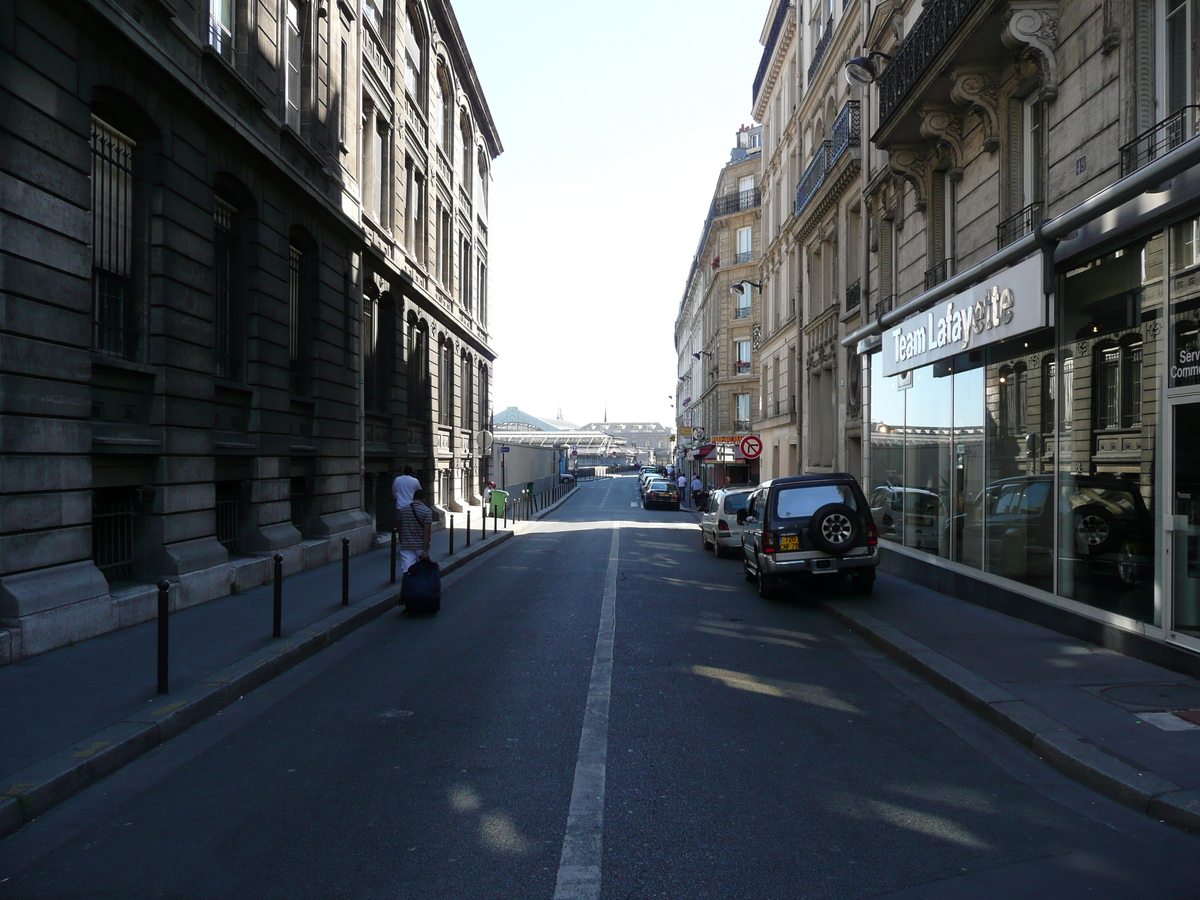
x,y
751,446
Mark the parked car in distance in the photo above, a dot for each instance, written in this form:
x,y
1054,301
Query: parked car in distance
x,y
719,526
914,515
661,493
808,525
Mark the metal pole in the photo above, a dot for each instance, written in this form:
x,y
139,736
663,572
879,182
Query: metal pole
x,y
164,635
483,526
451,536
345,571
506,514
468,528
494,518
277,628
394,536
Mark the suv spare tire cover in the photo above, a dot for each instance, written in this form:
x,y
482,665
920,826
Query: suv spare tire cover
x,y
835,528
1095,529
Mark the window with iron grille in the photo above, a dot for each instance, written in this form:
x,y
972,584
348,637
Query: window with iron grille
x,y
112,242
1131,386
1107,387
229,498
299,498
220,28
446,385
113,514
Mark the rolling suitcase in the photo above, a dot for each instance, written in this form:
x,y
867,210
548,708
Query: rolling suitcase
x,y
421,588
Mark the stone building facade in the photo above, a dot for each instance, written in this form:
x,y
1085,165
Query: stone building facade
x,y
1031,268
811,270
719,326
244,274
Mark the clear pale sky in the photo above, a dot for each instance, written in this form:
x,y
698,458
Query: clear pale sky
x,y
616,119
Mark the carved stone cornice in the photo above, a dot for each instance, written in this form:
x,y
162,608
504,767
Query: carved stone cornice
x,y
1031,30
978,89
945,128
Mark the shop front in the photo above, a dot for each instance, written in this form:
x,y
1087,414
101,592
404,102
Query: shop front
x,y
1040,430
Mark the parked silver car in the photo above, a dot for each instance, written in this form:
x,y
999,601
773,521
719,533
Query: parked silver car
x,y
719,528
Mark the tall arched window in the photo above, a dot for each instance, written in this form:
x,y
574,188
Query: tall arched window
x,y
116,316
467,416
446,111
233,235
415,57
418,369
446,383
468,149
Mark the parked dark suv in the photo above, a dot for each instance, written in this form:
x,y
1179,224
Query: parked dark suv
x,y
809,525
1110,531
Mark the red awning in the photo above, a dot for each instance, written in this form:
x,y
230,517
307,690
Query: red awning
x,y
701,452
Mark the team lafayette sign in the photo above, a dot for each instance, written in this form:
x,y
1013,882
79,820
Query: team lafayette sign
x,y
985,314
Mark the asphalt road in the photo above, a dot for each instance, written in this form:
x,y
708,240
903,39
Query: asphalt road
x,y
601,710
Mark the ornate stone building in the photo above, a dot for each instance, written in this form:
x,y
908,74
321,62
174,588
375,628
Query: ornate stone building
x,y
719,325
244,280
810,416
1030,359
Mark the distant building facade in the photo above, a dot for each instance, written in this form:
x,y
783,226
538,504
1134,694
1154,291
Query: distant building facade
x,y
245,269
718,330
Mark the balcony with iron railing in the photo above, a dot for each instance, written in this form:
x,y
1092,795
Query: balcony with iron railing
x,y
1182,125
819,50
741,425
220,38
846,133
764,65
920,49
883,306
936,274
742,312
739,201
1019,224
854,295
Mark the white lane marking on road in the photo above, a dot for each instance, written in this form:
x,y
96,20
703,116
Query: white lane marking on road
x,y
583,843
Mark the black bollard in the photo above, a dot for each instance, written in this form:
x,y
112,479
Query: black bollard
x,y
506,515
164,635
345,571
493,525
277,628
468,528
394,538
451,536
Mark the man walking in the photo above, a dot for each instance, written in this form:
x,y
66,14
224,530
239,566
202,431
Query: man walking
x,y
403,488
416,526
697,491
682,482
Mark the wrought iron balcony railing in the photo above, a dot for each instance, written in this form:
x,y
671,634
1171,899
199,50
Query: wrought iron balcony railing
x,y
884,306
737,202
819,50
854,295
740,425
769,48
1018,225
742,312
937,273
930,34
220,39
744,257
847,128
1180,126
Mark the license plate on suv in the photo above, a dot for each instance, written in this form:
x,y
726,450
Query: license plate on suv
x,y
789,542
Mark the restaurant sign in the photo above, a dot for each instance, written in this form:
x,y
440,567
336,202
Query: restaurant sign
x,y
1007,305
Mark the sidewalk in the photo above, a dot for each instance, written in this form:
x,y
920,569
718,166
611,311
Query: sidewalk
x,y
1108,721
86,710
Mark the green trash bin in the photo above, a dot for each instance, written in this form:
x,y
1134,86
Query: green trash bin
x,y
498,502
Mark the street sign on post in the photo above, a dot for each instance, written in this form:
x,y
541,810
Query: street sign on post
x,y
751,446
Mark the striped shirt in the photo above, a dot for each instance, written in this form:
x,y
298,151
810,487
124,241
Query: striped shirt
x,y
413,519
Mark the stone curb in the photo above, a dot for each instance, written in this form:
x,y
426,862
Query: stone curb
x,y
1068,752
48,782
